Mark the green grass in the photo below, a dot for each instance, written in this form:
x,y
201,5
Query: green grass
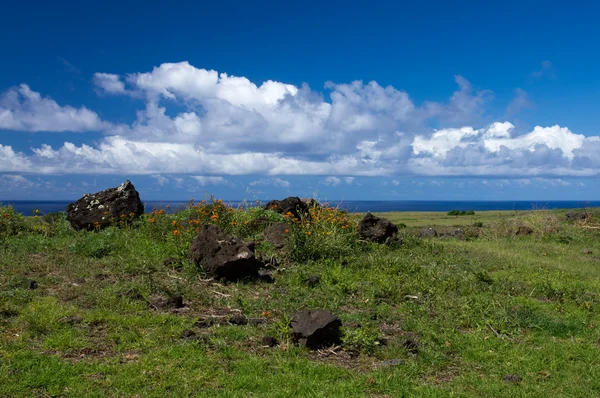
x,y
479,309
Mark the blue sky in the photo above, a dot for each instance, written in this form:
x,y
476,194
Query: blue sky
x,y
338,100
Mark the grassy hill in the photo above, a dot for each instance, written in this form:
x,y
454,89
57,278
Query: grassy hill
x,y
488,313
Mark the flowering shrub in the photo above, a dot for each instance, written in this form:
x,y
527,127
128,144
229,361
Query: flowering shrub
x,y
324,232
11,223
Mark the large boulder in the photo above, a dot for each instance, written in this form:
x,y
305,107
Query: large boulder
x,y
316,328
102,209
292,204
376,229
222,256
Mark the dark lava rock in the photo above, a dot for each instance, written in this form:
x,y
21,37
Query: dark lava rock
x,y
411,345
313,281
104,208
32,284
515,379
376,229
311,203
172,262
189,335
458,233
204,323
175,301
428,233
265,276
269,341
292,204
238,319
575,216
222,256
523,230
73,320
276,234
316,328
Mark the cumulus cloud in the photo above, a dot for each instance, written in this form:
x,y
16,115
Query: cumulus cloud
x,y
227,125
23,109
494,151
209,180
332,181
274,181
109,83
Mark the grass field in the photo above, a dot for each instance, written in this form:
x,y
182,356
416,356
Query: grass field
x,y
490,314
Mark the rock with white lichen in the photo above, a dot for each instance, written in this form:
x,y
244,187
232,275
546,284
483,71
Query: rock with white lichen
x,y
114,206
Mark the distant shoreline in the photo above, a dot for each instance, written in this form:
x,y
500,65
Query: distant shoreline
x,y
27,207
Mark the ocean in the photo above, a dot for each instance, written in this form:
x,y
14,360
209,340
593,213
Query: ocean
x,y
28,207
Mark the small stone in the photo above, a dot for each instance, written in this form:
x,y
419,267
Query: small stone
x,y
265,276
428,233
269,341
204,323
74,320
238,319
587,251
411,345
32,284
175,301
513,378
173,262
313,281
189,335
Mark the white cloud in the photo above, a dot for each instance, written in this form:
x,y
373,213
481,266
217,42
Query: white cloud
x,y
13,181
209,180
228,125
109,83
22,109
274,181
332,181
161,180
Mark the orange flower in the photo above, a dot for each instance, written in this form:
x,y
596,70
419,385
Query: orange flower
x,y
307,233
131,214
176,233
151,219
174,222
287,231
122,215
